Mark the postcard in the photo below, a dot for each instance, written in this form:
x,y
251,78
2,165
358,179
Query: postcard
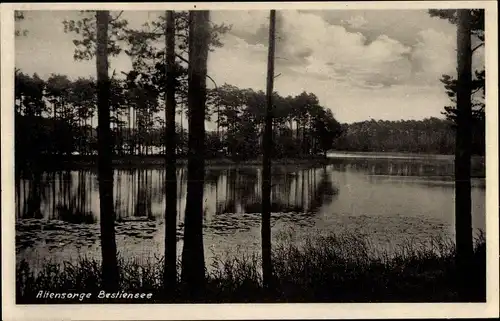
x,y
249,160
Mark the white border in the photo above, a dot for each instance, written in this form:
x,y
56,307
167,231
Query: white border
x,y
247,311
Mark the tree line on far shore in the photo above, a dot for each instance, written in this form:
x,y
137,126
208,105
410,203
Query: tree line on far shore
x,y
57,116
62,114
429,136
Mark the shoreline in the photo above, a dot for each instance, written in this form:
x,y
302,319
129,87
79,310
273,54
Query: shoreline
x,y
160,158
158,161
76,162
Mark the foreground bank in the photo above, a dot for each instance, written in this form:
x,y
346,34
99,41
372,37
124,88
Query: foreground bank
x,y
335,268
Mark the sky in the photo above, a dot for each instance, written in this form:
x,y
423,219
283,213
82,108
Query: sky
x,y
361,64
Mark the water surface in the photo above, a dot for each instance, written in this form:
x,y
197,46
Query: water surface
x,y
390,200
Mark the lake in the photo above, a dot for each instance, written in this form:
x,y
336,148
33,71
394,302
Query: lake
x,y
391,200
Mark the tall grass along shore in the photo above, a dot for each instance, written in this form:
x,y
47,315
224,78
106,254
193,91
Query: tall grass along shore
x,y
332,268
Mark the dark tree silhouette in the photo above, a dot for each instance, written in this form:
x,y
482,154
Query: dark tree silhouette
x,y
267,269
170,272
105,171
193,261
470,25
463,220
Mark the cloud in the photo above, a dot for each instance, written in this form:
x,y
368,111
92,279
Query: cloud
x,y
433,55
335,53
356,22
361,64
48,49
356,78
401,25
241,20
250,25
239,63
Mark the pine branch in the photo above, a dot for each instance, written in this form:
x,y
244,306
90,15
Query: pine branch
x,y
213,81
117,17
477,47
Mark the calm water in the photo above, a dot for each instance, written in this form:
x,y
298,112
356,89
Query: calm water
x,y
388,200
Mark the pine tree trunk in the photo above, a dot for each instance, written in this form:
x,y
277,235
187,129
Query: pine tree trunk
x,y
170,269
193,262
266,166
105,171
463,221
130,146
54,131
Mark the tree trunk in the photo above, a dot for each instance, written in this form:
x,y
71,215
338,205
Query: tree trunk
x,y
131,151
193,262
105,171
266,166
304,152
463,221
218,122
54,130
170,271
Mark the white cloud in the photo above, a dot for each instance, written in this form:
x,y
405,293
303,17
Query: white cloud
x,y
337,53
239,63
347,75
434,55
356,22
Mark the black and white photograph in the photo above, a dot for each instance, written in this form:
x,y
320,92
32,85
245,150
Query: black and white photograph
x,y
285,154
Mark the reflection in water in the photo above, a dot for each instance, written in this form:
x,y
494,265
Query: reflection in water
x,y
72,196
144,189
389,200
396,167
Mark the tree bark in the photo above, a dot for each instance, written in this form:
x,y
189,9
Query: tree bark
x,y
170,271
131,148
105,171
266,166
463,220
193,262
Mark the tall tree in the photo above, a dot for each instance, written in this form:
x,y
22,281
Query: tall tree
x,y
170,269
266,166
100,37
463,221
470,25
193,261
105,171
478,89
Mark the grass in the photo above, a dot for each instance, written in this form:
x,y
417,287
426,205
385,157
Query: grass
x,y
333,268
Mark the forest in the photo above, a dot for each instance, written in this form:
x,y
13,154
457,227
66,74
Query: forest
x,y
57,116
60,115
428,136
